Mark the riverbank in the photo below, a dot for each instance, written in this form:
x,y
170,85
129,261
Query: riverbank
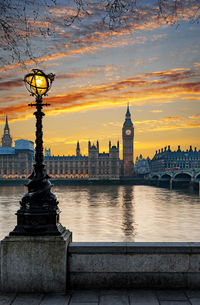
x,y
122,181
64,181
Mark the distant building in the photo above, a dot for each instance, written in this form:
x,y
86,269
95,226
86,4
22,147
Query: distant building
x,y
165,159
67,166
18,161
94,166
103,165
15,161
142,166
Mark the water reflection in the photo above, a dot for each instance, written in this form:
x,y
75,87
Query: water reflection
x,y
128,225
116,213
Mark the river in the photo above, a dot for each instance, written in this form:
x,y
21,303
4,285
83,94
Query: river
x,y
116,213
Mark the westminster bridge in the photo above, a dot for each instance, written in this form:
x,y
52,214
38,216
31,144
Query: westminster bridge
x,y
176,177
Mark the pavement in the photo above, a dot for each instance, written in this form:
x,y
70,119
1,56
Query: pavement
x,y
106,297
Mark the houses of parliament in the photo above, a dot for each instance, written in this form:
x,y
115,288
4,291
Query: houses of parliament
x,y
17,161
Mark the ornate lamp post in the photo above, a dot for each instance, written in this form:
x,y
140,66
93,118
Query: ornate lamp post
x,y
39,212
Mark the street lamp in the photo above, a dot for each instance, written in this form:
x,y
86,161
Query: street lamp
x,y
39,212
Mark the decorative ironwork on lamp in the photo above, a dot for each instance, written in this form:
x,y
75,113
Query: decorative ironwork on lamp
x,y
39,212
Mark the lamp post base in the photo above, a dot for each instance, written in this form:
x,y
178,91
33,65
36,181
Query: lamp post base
x,y
38,223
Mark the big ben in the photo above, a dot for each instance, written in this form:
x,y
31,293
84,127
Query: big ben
x,y
128,142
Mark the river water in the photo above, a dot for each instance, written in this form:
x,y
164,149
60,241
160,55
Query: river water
x,y
116,213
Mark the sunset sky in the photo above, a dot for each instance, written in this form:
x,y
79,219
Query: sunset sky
x,y
153,65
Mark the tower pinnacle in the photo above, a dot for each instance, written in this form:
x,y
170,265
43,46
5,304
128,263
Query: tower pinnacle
x,y
6,124
6,140
128,114
78,151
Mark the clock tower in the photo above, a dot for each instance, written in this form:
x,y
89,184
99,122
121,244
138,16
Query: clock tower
x,y
128,141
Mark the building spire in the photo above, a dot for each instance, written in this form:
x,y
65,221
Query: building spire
x,y
128,114
6,125
6,140
78,151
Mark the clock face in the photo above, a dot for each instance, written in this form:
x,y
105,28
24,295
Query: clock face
x,y
128,132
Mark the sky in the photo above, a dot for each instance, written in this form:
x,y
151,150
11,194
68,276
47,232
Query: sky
x,y
151,63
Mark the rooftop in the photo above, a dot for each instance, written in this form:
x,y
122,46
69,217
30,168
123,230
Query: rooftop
x,y
7,151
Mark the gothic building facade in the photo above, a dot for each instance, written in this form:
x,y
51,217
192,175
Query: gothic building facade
x,y
15,161
18,160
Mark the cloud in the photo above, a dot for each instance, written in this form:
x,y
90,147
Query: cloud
x,y
11,84
156,87
195,116
156,111
197,65
166,124
145,60
172,118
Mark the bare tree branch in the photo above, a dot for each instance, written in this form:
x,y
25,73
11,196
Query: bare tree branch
x,y
23,21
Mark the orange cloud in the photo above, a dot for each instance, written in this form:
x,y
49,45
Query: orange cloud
x,y
140,89
172,118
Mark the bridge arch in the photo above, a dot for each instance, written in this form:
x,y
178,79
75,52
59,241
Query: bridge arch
x,y
165,176
183,176
197,176
155,177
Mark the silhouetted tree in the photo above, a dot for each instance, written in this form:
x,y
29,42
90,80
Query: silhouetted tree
x,y
23,21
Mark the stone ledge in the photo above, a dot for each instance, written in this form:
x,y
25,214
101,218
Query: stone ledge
x,y
134,247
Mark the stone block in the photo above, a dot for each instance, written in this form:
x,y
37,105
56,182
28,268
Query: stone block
x,y
157,280
194,265
34,263
193,280
195,301
157,263
129,262
80,280
98,263
97,247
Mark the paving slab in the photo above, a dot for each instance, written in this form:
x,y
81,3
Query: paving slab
x,y
84,296
175,303
195,301
28,299
171,295
114,292
83,303
55,300
143,297
114,300
193,293
7,298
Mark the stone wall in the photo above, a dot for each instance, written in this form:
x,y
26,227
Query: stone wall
x,y
98,265
138,265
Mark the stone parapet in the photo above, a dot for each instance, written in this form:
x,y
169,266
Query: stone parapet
x,y
134,265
